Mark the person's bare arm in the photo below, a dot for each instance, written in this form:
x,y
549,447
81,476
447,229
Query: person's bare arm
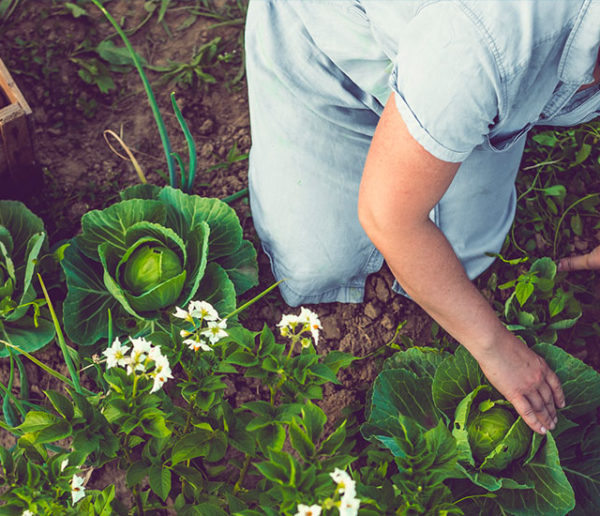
x,y
401,183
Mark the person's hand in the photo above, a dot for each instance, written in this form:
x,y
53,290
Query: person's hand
x,y
525,380
580,262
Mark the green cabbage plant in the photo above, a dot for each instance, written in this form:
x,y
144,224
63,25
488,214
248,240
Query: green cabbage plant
x,y
156,249
461,448
22,243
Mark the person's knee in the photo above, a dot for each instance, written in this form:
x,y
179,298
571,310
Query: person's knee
x,y
309,272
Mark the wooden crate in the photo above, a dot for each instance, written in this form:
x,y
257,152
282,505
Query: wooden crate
x,y
16,149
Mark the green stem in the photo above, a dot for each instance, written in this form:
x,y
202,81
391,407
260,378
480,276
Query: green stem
x,y
292,345
164,137
253,300
134,392
229,199
61,339
136,495
243,471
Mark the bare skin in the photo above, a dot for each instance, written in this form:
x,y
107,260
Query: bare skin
x,y
401,183
589,261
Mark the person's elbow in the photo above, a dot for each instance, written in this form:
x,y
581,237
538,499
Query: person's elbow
x,y
371,216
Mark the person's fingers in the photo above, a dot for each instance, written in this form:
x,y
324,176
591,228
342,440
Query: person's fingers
x,y
575,263
527,412
548,399
557,392
540,409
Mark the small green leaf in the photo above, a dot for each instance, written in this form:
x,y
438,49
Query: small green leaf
x,y
547,139
36,420
314,420
52,433
242,358
582,154
160,481
523,291
334,440
137,472
273,472
189,446
61,403
555,191
557,303
76,11
301,442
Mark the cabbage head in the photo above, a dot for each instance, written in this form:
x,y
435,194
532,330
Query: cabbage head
x,y
460,448
154,250
22,243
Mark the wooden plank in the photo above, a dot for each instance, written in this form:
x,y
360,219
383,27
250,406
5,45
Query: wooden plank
x,y
16,149
10,89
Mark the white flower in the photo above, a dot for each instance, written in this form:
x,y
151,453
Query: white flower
x,y
312,319
141,345
115,355
288,321
136,362
185,333
202,310
77,489
305,510
64,464
183,314
160,377
215,331
349,506
195,345
344,481
27,512
155,354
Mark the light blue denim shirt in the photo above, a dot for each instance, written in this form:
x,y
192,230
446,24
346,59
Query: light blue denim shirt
x,y
469,77
466,73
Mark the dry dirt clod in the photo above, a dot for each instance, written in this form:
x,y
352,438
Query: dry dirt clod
x,y
206,127
372,311
381,290
206,150
387,322
331,329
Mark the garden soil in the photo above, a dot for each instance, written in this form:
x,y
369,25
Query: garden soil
x,y
42,45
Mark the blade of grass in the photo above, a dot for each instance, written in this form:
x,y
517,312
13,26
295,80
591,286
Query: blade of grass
x,y
46,368
134,162
61,339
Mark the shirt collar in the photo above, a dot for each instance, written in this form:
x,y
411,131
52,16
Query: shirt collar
x,y
580,54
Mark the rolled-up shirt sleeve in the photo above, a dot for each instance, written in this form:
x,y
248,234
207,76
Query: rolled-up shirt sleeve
x,y
446,82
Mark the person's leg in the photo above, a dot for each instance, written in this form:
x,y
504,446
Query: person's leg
x,y
311,129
